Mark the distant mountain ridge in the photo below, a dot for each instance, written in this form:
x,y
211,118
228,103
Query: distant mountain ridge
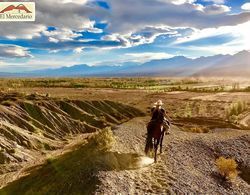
x,y
237,65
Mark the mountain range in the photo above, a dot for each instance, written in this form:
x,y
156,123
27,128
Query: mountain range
x,y
237,65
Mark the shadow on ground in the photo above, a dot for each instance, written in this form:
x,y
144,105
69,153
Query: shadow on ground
x,y
74,172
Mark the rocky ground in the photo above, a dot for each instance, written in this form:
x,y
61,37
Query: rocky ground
x,y
33,127
186,166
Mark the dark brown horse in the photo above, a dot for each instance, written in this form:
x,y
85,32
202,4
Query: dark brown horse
x,y
155,137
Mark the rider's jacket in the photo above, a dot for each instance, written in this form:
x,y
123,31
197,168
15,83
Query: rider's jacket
x,y
158,114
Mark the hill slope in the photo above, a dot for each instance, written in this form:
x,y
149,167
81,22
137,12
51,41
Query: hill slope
x,y
33,125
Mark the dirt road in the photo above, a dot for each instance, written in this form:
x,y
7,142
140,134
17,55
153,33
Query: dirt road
x,y
186,166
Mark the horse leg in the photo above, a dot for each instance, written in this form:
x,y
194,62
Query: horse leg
x,y
161,140
155,148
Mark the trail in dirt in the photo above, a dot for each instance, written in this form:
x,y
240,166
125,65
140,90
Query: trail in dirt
x,y
186,166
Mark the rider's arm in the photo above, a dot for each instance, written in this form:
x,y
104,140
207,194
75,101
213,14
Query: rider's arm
x,y
166,117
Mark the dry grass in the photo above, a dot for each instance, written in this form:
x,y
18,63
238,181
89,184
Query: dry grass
x,y
103,140
198,129
227,167
236,108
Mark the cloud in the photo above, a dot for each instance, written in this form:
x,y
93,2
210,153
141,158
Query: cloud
x,y
144,36
240,30
36,63
122,18
78,49
216,9
216,1
146,20
21,30
147,56
81,2
70,15
133,58
13,51
238,39
63,34
73,15
178,2
53,40
246,6
129,22
125,18
53,45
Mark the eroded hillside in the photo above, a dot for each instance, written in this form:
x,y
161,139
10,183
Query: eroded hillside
x,y
34,124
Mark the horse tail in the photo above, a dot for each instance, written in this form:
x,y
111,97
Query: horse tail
x,y
149,141
149,145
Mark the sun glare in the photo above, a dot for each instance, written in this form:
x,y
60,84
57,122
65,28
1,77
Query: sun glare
x,y
145,161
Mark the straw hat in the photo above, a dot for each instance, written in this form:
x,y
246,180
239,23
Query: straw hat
x,y
158,103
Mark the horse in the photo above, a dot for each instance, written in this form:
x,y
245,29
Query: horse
x,y
155,137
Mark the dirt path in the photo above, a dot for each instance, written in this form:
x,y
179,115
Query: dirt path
x,y
186,166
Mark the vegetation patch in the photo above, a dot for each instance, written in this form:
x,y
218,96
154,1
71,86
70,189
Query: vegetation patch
x,y
227,168
197,129
234,110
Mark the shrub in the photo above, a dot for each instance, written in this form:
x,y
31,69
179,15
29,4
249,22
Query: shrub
x,y
49,161
227,168
235,109
235,86
46,146
188,111
104,140
197,129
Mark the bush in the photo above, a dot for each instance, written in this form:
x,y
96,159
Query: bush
x,y
188,111
197,129
236,109
104,140
49,161
227,168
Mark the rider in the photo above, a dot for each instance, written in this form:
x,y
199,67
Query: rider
x,y
159,116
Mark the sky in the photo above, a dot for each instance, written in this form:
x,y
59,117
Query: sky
x,y
118,32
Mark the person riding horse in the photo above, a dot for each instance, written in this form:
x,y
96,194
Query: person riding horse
x,y
157,127
159,116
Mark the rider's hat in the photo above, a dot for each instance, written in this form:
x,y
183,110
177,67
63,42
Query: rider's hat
x,y
158,103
